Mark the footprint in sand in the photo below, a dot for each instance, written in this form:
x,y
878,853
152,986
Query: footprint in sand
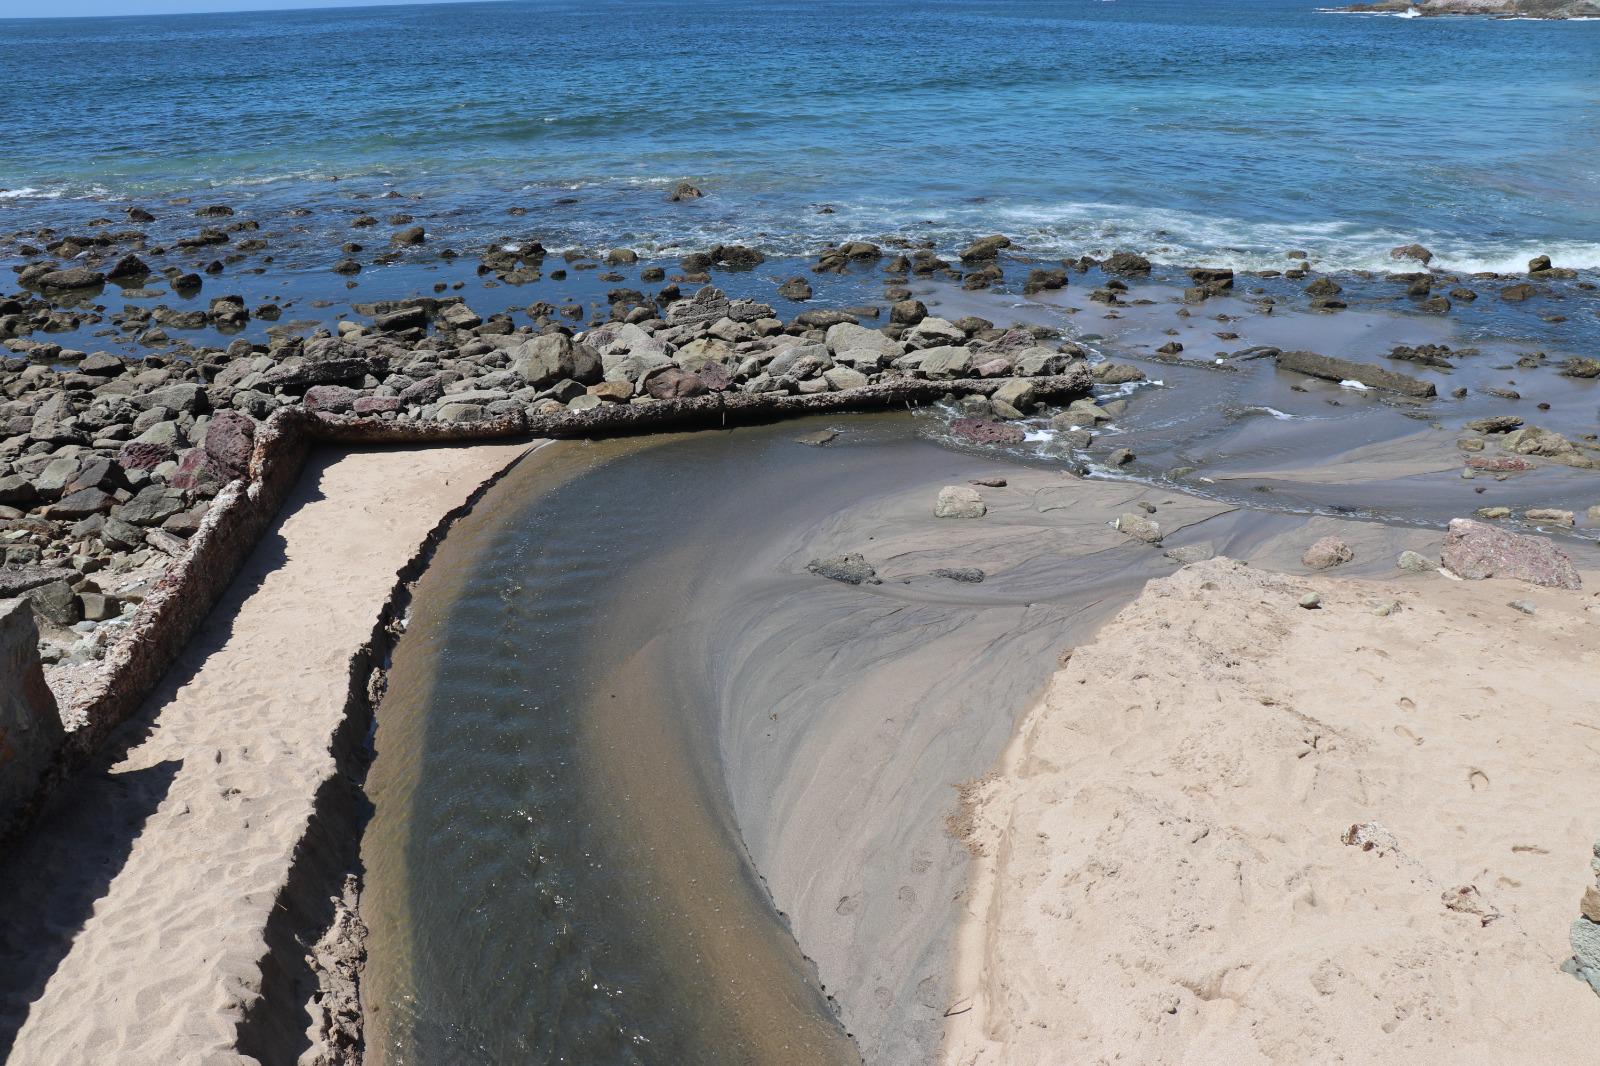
x,y
1477,779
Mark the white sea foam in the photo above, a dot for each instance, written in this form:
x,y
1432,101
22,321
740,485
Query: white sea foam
x,y
28,192
1352,383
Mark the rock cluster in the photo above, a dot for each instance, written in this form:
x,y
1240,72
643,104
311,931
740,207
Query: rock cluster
x,y
108,464
1585,933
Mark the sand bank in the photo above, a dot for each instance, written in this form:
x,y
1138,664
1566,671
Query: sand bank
x,y
142,906
1162,873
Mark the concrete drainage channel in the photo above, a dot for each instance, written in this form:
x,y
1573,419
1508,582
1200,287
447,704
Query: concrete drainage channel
x,y
306,1000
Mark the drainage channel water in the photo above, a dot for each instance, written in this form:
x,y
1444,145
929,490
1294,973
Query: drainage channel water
x,y
553,872
626,731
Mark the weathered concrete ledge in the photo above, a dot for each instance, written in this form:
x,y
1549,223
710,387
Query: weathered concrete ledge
x,y
242,511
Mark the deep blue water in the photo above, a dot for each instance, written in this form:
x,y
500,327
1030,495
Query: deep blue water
x,y
1227,129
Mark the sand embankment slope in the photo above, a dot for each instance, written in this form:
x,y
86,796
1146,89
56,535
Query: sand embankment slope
x,y
1163,876
137,908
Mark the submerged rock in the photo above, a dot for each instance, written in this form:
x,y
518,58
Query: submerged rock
x,y
985,431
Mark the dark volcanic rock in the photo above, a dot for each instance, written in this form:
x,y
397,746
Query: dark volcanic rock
x,y
1411,251
1126,263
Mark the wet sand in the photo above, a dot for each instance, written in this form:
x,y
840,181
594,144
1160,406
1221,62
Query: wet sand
x,y
621,666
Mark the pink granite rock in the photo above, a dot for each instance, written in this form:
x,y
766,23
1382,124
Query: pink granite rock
x,y
1475,550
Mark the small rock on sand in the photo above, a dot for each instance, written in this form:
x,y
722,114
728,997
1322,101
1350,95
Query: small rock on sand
x,y
1311,601
1326,553
852,569
969,574
1525,606
1140,528
1416,563
959,501
1190,553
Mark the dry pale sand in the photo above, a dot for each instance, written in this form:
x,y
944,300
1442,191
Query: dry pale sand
x,y
136,910
1163,876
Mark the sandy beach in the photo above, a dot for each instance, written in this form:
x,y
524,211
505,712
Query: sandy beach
x,y
1239,831
149,890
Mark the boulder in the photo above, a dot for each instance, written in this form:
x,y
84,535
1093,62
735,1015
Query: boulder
x,y
70,278
1474,550
946,361
331,398
848,336
1415,252
907,312
55,602
1326,553
795,289
551,357
1017,393
959,501
671,383
1330,369
933,332
984,248
841,378
81,504
1128,264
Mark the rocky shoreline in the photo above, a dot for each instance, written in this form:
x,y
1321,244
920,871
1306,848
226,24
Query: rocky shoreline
x,y
1506,9
109,460
115,467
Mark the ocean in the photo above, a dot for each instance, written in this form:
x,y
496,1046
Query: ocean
x,y
1224,132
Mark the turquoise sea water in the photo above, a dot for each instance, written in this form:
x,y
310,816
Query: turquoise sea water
x,y
1228,130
